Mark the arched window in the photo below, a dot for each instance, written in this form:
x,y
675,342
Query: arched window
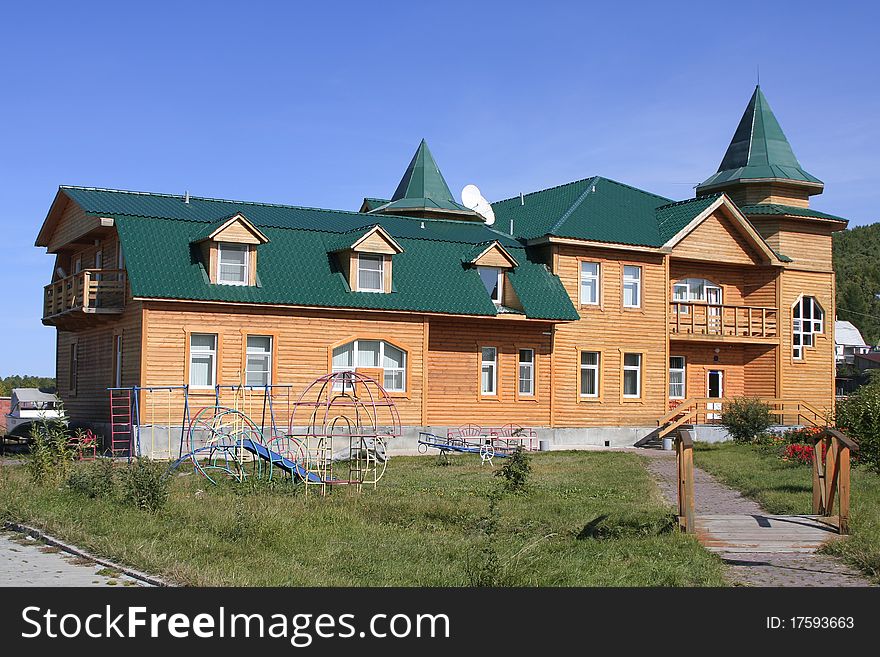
x,y
373,354
808,320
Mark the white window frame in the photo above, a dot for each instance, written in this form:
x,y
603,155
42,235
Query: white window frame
x,y
683,371
527,367
371,257
203,352
595,279
247,262
490,366
588,368
635,282
632,368
499,288
248,352
385,370
802,335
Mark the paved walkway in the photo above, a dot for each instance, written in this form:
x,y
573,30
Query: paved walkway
x,y
711,497
25,561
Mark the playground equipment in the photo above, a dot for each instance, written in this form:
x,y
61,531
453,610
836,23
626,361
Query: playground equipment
x,y
341,418
488,442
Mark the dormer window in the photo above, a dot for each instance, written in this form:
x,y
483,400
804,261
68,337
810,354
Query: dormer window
x,y
493,279
233,262
365,256
370,273
229,250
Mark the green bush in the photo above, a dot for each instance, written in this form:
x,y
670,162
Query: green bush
x,y
858,416
94,479
51,457
515,472
145,484
746,419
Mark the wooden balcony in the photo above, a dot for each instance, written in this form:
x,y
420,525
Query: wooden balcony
x,y
84,298
721,323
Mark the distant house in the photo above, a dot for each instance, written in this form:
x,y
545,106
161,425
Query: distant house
x,y
867,361
848,342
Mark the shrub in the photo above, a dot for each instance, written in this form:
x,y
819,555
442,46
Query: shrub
x,y
95,479
746,418
858,416
145,484
516,471
51,457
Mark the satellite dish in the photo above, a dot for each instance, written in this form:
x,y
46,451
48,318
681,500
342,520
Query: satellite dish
x,y
472,199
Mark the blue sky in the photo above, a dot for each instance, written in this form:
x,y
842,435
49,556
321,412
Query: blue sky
x,y
321,104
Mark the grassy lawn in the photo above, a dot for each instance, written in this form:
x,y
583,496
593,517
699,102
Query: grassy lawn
x,y
782,487
591,519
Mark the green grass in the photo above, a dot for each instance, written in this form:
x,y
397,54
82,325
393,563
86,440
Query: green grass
x,y
786,488
590,519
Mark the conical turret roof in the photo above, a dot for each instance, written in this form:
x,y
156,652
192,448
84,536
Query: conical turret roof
x,y
758,151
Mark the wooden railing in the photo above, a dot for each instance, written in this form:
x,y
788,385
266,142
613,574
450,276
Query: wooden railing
x,y
696,318
706,410
684,456
91,290
831,476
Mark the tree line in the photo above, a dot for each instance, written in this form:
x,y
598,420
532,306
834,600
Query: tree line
x,y
44,383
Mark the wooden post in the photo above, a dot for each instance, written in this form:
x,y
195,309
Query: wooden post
x,y
684,447
831,472
818,475
843,490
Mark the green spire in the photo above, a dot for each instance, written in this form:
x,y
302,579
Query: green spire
x,y
758,150
422,187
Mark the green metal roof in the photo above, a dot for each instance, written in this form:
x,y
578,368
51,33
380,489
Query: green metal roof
x,y
423,187
758,150
672,218
789,210
295,267
595,209
372,203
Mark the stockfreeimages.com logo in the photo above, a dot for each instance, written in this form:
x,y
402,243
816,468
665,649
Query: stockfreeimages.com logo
x,y
300,629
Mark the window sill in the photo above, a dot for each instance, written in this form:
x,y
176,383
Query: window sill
x,y
589,400
489,398
527,398
633,400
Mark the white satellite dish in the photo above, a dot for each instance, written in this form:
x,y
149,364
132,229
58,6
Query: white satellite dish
x,y
472,199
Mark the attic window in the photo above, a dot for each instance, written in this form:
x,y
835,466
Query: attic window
x,y
492,278
232,264
371,273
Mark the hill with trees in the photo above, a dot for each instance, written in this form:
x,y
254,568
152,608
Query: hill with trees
x,y
857,269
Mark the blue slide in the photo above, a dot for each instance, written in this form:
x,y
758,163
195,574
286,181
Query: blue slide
x,y
276,459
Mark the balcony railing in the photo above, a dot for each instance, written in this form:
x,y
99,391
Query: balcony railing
x,y
93,291
709,320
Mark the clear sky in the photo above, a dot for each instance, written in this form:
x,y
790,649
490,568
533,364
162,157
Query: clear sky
x,y
322,103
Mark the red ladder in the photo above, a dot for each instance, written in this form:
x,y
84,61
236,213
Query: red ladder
x,y
120,422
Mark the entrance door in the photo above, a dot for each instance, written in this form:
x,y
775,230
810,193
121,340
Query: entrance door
x,y
713,319
714,390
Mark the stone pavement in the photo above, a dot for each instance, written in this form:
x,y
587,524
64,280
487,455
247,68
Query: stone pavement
x,y
25,561
751,569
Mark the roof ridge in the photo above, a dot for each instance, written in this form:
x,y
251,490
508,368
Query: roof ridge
x,y
690,200
591,187
253,203
588,178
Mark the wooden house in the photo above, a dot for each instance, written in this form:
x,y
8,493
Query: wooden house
x,y
590,310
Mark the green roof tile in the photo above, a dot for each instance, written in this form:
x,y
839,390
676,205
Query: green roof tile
x,y
758,150
295,268
674,217
594,209
789,210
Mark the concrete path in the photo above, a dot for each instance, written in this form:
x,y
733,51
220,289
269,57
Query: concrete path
x,y
714,499
25,561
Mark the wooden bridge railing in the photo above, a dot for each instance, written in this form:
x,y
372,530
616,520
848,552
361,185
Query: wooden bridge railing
x,y
684,456
831,477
